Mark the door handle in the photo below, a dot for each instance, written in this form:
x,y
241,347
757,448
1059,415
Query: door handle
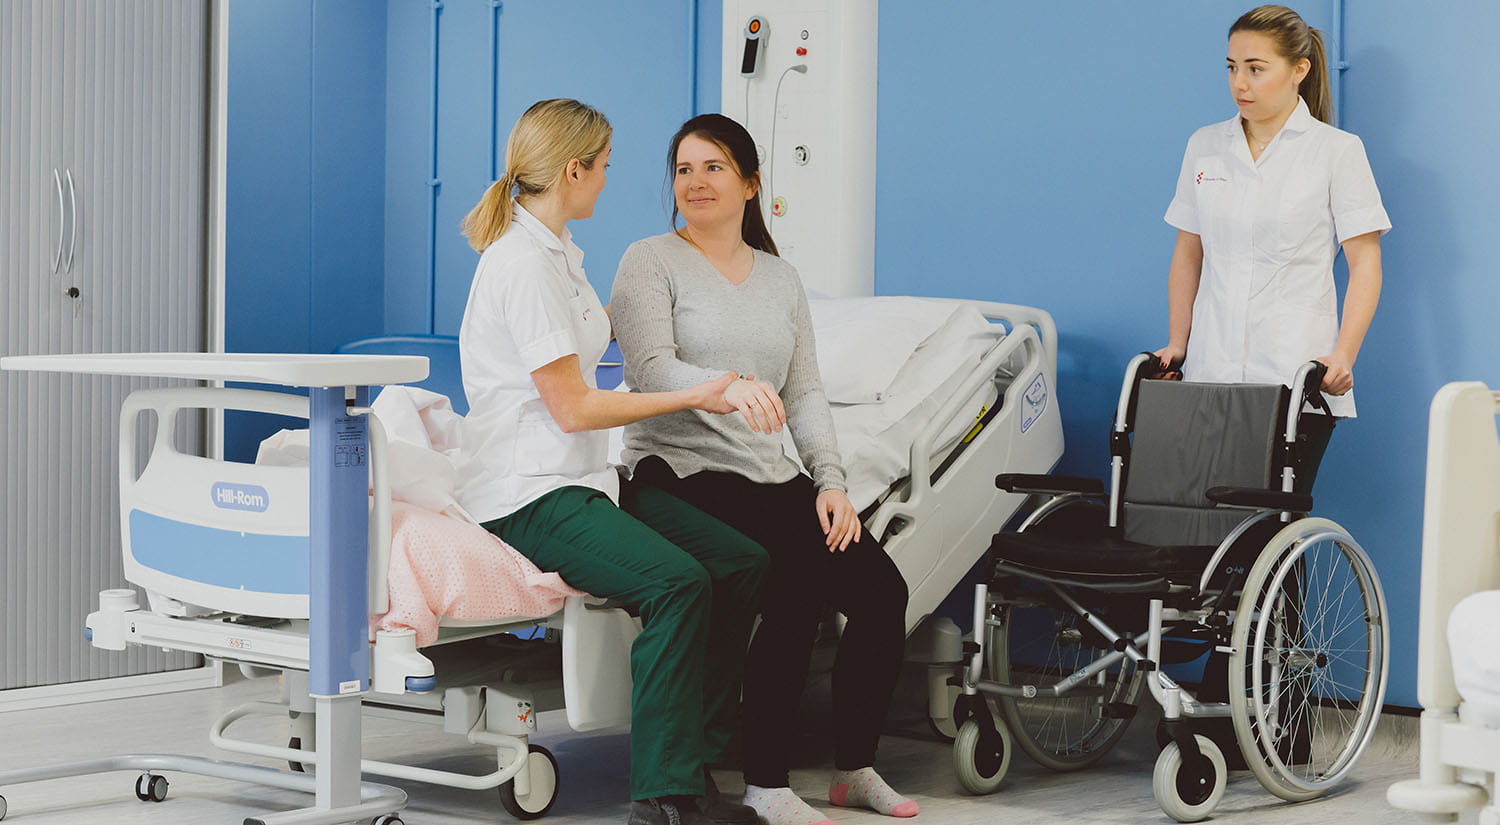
x,y
72,236
61,221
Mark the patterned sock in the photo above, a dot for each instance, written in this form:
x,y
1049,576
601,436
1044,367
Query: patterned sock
x,y
781,806
865,789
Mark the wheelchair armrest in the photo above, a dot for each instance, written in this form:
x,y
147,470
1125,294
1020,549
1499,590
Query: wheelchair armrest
x,y
1048,484
1261,499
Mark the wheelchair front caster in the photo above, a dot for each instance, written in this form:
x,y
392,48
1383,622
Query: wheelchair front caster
x,y
150,788
1189,792
387,819
980,760
541,770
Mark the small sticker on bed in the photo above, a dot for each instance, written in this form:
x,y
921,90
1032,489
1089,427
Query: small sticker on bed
x,y
1033,402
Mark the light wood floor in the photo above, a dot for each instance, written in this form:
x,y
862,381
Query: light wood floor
x,y
593,776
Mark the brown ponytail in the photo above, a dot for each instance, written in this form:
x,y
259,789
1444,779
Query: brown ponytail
x,y
1296,41
1315,87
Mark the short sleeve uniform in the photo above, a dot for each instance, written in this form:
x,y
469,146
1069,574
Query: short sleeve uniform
x,y
529,305
1271,228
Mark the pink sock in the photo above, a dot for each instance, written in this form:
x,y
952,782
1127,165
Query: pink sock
x,y
865,789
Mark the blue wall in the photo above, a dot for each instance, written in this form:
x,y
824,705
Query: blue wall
x,y
304,247
632,60
1026,154
1415,93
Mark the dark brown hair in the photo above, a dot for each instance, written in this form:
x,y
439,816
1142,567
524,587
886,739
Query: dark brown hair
x,y
740,147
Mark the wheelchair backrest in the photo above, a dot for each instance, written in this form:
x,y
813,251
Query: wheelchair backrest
x,y
1189,437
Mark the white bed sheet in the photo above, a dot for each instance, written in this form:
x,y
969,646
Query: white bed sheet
x,y
875,439
1473,627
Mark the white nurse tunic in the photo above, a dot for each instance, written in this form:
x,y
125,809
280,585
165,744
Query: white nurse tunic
x,y
529,305
1270,228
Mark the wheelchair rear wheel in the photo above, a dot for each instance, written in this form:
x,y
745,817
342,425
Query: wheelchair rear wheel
x,y
1033,643
1308,672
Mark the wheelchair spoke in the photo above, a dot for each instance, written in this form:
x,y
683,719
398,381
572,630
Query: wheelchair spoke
x,y
1314,623
1043,645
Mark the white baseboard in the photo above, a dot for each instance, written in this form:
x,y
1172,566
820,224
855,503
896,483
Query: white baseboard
x,y
120,687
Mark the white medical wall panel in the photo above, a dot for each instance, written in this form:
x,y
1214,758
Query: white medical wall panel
x,y
112,96
814,129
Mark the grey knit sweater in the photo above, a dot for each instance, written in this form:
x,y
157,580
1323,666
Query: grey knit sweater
x,y
680,322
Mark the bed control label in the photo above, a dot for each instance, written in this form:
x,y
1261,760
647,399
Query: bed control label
x,y
229,496
1033,402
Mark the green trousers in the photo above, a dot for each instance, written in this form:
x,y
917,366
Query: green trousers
x,y
697,583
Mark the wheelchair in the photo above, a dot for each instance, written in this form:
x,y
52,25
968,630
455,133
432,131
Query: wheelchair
x,y
1199,547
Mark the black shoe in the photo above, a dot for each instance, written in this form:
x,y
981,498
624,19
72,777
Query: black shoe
x,y
667,810
721,810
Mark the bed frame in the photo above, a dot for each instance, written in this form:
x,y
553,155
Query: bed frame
x,y
1460,758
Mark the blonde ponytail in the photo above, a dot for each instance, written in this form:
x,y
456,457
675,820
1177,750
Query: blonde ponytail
x,y
489,218
549,135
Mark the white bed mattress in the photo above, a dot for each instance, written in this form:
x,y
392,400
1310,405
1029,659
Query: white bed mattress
x,y
1473,627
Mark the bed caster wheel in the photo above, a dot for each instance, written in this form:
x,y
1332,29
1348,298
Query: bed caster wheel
x,y
541,768
981,764
2,807
944,729
295,743
1189,792
387,819
151,788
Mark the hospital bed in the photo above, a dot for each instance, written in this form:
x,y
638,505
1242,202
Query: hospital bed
x,y
159,503
946,394
1458,667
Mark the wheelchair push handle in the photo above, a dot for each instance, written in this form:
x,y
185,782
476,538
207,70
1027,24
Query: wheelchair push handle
x,y
1312,386
1152,368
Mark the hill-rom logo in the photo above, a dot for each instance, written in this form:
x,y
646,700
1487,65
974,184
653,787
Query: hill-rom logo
x,y
229,496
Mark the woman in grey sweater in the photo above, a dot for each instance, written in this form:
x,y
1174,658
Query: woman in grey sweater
x,y
714,296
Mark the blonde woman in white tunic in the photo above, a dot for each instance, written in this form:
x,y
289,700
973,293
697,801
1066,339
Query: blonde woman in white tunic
x,y
1264,202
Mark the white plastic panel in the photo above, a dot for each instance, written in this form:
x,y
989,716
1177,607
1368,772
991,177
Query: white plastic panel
x,y
816,134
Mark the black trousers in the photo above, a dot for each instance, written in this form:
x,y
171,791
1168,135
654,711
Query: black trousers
x,y
861,582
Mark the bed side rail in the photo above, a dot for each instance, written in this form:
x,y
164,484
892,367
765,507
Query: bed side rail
x,y
1022,337
166,403
1014,316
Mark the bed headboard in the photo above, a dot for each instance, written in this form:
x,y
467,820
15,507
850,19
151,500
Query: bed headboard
x,y
1460,524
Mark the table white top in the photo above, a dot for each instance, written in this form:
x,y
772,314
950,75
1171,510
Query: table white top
x,y
293,370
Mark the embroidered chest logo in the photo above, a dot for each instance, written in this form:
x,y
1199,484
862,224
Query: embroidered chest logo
x,y
586,313
1204,177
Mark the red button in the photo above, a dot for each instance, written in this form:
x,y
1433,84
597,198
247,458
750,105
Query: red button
x,y
801,51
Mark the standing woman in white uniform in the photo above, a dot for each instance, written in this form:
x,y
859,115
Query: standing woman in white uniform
x,y
1263,204
537,473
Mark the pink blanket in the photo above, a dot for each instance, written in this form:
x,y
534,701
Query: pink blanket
x,y
443,567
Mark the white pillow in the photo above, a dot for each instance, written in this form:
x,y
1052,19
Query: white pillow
x,y
863,342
